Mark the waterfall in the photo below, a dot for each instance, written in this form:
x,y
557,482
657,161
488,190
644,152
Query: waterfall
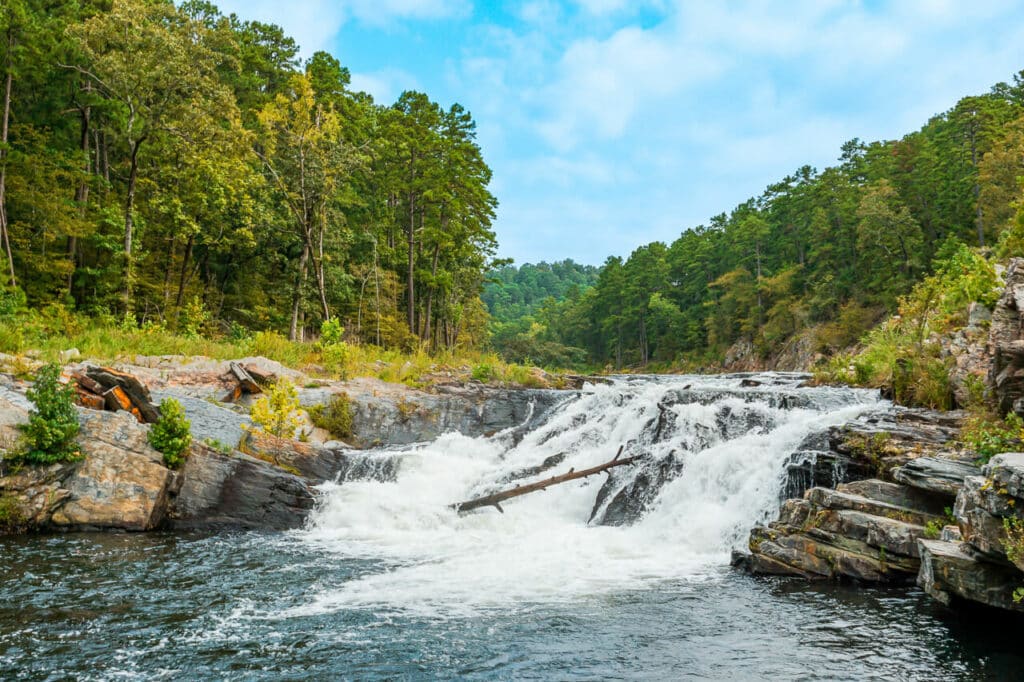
x,y
713,451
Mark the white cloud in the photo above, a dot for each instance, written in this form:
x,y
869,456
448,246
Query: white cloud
x,y
314,23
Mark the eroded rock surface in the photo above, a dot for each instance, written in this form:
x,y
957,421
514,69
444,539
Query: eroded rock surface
x,y
1006,342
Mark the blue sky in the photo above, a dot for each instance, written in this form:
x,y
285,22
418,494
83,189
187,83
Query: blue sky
x,y
610,124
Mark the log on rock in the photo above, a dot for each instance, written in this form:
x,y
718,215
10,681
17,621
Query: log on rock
x,y
495,499
119,391
245,383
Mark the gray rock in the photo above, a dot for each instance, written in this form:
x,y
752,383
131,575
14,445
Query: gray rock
x,y
897,495
1007,472
835,499
121,483
1006,371
951,571
937,475
389,415
977,314
237,491
979,526
208,420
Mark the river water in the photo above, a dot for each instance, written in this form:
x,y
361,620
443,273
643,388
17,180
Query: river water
x,y
387,581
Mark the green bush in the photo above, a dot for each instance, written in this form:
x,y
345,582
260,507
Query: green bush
x,y
275,412
483,372
987,435
171,434
334,417
53,424
12,302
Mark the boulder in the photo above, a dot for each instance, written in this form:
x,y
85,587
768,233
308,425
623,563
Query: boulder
x,y
121,483
979,525
897,495
209,421
950,571
1007,473
218,490
310,461
938,475
837,499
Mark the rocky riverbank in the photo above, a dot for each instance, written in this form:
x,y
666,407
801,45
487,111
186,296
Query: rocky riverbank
x,y
233,476
900,501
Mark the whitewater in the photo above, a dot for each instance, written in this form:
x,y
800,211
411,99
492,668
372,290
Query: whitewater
x,y
729,441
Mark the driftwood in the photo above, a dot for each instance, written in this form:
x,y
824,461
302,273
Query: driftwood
x,y
101,388
245,383
495,499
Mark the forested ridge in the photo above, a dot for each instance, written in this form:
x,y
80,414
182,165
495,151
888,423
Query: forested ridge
x,y
826,254
169,165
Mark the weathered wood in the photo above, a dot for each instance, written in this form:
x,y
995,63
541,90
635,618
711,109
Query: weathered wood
x,y
246,383
136,393
495,499
90,400
117,399
260,377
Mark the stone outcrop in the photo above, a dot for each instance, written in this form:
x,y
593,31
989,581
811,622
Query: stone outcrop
x,y
1006,342
121,483
863,517
217,490
386,414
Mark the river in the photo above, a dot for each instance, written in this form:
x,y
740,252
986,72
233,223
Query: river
x,y
387,581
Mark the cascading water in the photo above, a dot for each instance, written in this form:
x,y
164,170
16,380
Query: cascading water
x,y
623,578
713,457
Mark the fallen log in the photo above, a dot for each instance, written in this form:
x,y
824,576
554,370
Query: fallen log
x,y
245,383
495,499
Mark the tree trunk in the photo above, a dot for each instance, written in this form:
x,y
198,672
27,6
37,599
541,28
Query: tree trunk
x,y
300,280
5,120
410,283
129,223
185,260
495,499
82,191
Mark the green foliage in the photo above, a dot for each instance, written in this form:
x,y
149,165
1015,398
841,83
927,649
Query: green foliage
x,y
12,517
335,416
331,332
1013,545
194,318
12,302
222,448
53,423
987,435
171,434
483,373
276,412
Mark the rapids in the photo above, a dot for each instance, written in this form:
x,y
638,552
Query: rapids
x,y
722,445
621,577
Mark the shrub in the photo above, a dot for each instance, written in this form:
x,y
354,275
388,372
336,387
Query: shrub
x,y
483,372
330,333
988,435
275,412
335,416
12,518
12,301
171,434
53,424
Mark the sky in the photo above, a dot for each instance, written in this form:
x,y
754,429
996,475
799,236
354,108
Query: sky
x,y
610,124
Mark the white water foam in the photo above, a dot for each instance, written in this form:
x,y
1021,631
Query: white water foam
x,y
428,560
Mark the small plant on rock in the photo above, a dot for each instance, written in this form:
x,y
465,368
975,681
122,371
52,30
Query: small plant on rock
x,y
171,434
275,412
53,424
987,435
335,416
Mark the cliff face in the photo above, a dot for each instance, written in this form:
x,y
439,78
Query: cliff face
x,y
1006,343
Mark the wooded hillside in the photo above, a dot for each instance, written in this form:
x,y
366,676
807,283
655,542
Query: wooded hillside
x,y
161,163
829,251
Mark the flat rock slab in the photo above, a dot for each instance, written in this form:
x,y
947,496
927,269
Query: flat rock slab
x,y
935,474
950,571
836,499
897,495
208,420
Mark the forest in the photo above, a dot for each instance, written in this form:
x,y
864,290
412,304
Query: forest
x,y
827,254
166,166
171,166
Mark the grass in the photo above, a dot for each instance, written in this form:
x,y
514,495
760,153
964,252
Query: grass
x,y
49,332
